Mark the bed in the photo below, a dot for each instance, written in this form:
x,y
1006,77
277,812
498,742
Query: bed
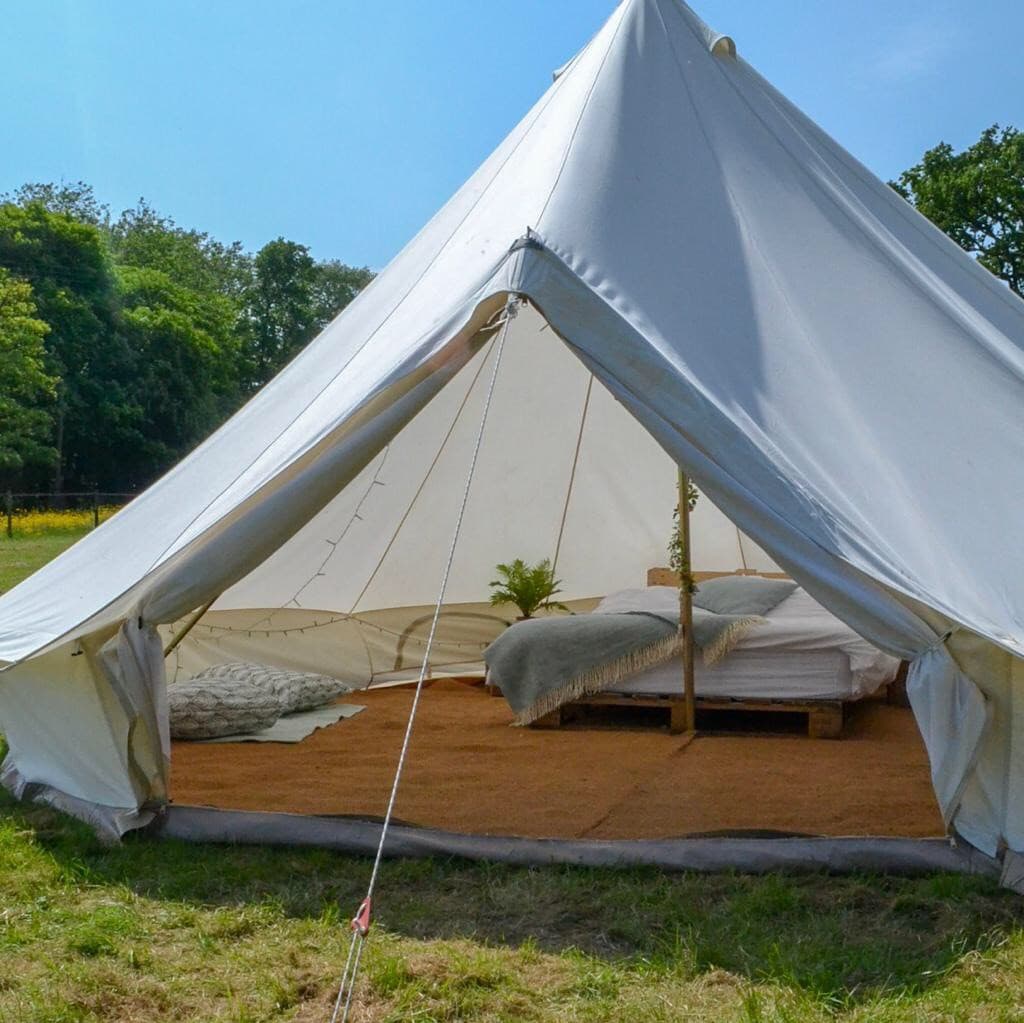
x,y
797,657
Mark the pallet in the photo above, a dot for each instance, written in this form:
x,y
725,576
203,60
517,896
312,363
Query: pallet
x,y
824,717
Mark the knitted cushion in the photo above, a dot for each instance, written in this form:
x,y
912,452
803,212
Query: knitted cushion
x,y
206,708
295,690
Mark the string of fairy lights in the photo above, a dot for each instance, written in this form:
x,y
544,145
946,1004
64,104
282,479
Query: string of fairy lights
x,y
264,625
332,620
219,632
320,570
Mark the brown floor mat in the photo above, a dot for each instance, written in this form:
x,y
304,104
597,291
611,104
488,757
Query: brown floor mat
x,y
469,771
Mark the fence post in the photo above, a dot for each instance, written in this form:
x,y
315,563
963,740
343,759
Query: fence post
x,y
9,508
95,509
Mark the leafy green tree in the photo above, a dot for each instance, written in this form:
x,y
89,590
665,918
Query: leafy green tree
x,y
185,351
977,198
290,299
335,286
25,387
142,237
156,332
280,308
66,263
75,199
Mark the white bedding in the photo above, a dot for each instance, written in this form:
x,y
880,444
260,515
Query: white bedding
x,y
801,651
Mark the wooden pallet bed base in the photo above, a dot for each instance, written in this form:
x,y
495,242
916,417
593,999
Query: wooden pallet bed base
x,y
824,717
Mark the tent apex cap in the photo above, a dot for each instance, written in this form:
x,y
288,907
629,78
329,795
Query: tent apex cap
x,y
723,46
718,44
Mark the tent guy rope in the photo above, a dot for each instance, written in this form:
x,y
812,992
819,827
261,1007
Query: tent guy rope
x,y
361,921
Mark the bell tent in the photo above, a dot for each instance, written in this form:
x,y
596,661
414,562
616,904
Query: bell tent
x,y
702,278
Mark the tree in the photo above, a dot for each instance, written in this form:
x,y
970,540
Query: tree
x,y
67,265
290,299
142,237
336,285
25,387
76,200
185,354
977,198
280,308
156,332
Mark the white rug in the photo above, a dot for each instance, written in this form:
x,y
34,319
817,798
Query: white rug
x,y
295,727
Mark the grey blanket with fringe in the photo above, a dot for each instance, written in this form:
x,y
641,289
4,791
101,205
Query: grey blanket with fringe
x,y
542,663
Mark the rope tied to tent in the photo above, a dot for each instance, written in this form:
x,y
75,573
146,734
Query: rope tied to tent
x,y
360,923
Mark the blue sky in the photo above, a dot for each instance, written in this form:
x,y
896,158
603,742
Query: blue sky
x,y
345,124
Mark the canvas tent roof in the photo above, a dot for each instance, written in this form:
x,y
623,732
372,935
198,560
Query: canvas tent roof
x,y
840,379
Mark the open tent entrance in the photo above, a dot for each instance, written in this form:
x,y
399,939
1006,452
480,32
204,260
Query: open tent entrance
x,y
565,473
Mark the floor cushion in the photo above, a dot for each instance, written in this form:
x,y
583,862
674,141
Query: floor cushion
x,y
294,690
205,708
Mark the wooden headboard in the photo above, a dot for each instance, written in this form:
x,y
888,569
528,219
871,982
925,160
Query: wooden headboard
x,y
669,577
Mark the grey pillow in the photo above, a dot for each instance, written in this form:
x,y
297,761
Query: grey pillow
x,y
294,690
742,594
207,708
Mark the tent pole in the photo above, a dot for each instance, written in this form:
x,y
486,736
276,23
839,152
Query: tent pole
x,y
175,640
686,603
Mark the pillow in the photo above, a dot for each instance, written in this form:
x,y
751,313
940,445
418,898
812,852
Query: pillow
x,y
742,594
294,690
207,708
663,600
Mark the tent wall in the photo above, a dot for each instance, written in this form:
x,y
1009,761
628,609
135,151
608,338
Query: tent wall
x,y
86,729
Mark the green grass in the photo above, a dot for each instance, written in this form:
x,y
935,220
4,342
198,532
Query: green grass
x,y
21,556
160,931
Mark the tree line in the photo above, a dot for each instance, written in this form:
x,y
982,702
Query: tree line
x,y
124,342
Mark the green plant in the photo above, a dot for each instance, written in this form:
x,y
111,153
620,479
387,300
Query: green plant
x,y
678,556
529,587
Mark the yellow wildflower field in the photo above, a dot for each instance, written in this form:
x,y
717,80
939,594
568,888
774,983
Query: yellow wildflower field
x,y
68,520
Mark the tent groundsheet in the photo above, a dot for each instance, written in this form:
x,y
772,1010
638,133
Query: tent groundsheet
x,y
701,854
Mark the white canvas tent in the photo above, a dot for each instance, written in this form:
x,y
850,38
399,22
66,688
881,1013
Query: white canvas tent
x,y
843,383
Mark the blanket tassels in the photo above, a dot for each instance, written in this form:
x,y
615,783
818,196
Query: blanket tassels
x,y
596,679
604,676
726,640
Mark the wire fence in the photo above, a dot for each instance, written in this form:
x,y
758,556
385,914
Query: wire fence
x,y
37,513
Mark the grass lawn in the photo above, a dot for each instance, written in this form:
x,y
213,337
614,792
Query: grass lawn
x,y
163,931
24,554
153,931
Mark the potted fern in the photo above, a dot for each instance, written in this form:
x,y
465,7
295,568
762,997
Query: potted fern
x,y
529,587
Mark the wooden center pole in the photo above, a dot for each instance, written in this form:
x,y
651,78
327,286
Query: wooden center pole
x,y
686,603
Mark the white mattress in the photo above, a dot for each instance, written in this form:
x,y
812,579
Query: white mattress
x,y
801,651
755,675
